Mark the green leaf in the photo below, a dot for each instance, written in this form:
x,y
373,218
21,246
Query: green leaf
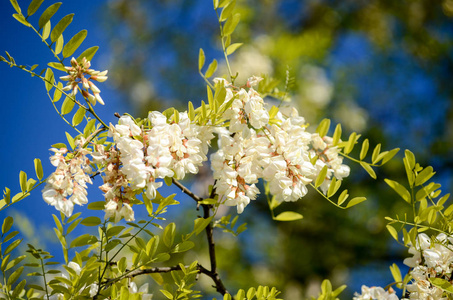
x,y
19,289
78,116
60,27
288,216
46,31
201,59
392,232
232,48
369,169
49,79
333,187
169,234
200,224
16,6
323,127
59,44
83,240
115,230
38,168
227,11
48,13
74,43
183,247
211,69
15,261
321,177
91,221
58,223
401,190
167,294
23,181
14,276
70,140
12,246
355,201
230,26
67,106
442,284
350,144
88,53
410,157
7,224
343,196
191,112
364,150
57,65
337,135
375,154
389,155
21,19
34,6
424,175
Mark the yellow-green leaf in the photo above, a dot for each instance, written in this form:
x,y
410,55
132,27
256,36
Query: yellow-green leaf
x,y
288,216
392,232
211,69
23,181
59,44
343,196
57,92
34,6
375,154
232,48
16,6
201,59
355,201
369,169
67,106
60,27
321,177
350,144
424,175
21,19
46,31
336,135
323,127
38,168
230,26
401,190
364,150
48,13
49,79
74,43
78,116
88,53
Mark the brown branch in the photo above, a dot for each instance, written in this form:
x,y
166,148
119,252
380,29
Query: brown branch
x,y
219,286
186,190
137,272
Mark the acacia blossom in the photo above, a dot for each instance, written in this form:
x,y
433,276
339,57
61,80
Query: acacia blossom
x,y
67,185
80,72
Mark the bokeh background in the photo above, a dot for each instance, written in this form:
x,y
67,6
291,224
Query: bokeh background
x,y
381,68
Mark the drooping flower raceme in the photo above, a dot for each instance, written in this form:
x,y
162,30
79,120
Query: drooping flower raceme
x,y
80,72
171,145
67,185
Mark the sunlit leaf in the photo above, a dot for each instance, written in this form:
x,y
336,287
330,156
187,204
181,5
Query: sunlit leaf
x,y
288,216
48,13
60,27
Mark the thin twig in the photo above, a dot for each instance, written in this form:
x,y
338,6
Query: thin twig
x,y
186,191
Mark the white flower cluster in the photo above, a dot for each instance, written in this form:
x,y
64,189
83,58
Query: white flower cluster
x,y
328,155
143,156
250,148
375,293
77,74
67,185
433,258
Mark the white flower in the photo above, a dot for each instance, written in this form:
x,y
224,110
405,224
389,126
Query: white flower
x,y
374,293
